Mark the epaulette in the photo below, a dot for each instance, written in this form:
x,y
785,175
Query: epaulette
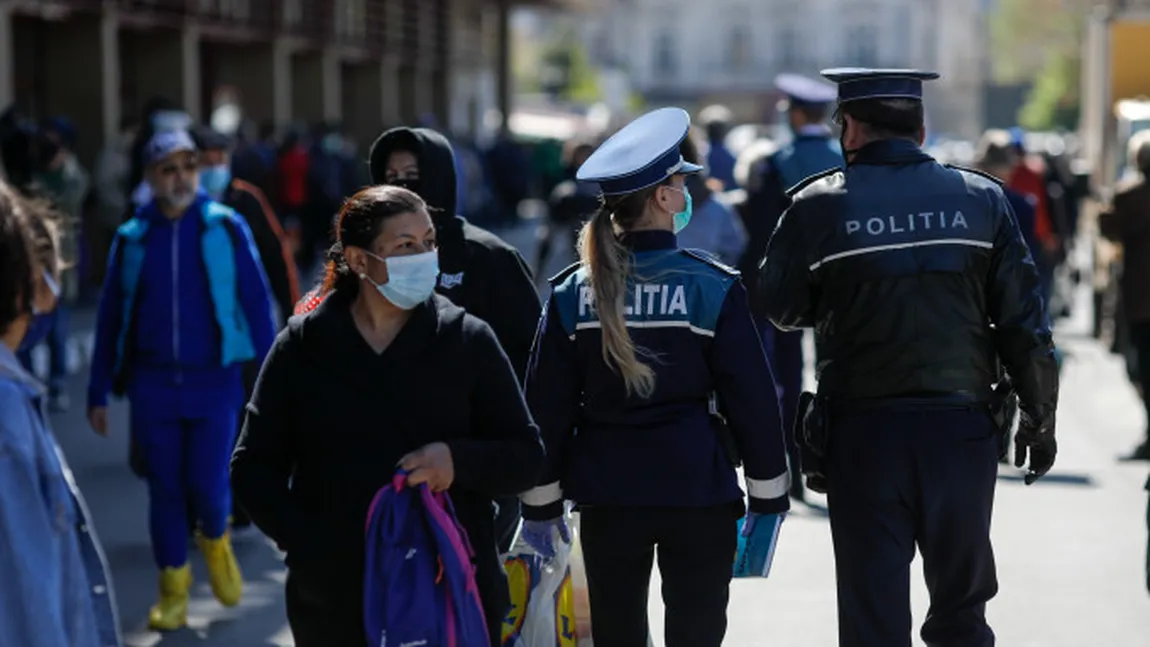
x,y
811,180
984,174
567,271
710,260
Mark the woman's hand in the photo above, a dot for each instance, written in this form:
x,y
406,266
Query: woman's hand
x,y
431,464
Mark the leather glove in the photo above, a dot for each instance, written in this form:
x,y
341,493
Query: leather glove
x,y
1037,439
817,483
540,535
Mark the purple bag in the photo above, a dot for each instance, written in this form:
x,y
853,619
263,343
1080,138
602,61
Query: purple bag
x,y
419,585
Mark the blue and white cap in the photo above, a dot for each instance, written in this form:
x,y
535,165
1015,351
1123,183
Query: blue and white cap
x,y
857,83
803,90
642,154
163,145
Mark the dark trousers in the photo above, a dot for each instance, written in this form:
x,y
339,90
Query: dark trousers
x,y
696,556
320,616
900,479
1140,340
324,613
785,352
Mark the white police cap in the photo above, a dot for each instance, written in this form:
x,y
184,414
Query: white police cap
x,y
642,154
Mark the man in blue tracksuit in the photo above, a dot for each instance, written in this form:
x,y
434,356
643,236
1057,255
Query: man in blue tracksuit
x,y
185,304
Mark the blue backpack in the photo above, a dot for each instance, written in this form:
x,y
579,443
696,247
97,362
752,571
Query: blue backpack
x,y
419,584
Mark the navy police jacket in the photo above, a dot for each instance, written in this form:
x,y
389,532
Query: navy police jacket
x,y
689,320
916,280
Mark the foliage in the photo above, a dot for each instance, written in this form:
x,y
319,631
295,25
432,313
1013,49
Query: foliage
x,y
1040,41
1054,99
567,72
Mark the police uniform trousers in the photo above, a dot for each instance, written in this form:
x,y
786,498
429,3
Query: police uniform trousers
x,y
901,478
696,551
785,352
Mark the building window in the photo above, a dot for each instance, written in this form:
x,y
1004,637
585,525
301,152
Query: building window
x,y
861,46
739,49
666,55
788,55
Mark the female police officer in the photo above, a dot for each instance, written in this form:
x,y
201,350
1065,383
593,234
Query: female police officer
x,y
637,340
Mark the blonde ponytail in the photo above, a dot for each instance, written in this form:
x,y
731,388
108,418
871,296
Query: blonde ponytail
x,y
608,264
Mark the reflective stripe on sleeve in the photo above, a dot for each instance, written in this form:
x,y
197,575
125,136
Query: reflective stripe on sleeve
x,y
542,495
769,488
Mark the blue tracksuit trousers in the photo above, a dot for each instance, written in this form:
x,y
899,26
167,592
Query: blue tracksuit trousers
x,y
187,441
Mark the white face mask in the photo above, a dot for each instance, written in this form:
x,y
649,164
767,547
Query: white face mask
x,y
410,279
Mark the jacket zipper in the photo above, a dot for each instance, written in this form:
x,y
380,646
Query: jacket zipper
x,y
176,299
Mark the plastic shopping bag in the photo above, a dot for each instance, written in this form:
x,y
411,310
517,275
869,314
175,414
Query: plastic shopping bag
x,y
542,598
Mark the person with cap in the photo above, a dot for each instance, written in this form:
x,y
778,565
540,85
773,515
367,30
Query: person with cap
x,y
918,284
650,352
185,305
716,121
479,272
813,150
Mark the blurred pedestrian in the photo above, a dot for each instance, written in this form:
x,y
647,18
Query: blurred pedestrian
x,y
569,205
56,590
60,178
185,306
813,150
112,185
714,227
1127,221
716,122
382,372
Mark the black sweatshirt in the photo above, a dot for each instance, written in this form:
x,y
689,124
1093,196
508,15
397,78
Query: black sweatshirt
x,y
479,272
330,419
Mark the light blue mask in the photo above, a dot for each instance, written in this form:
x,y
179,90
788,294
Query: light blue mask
x,y
410,279
683,218
215,179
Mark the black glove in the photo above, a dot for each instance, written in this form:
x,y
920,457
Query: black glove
x,y
1038,438
817,482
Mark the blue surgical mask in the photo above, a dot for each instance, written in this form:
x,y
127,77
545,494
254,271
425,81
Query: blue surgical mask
x,y
41,323
683,218
410,279
215,179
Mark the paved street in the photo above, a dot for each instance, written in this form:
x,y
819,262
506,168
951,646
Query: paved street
x,y
1070,549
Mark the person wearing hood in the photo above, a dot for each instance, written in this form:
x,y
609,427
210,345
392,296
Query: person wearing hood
x,y
479,272
383,373
185,305
57,591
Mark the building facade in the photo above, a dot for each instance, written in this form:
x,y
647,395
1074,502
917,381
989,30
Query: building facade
x,y
731,50
364,63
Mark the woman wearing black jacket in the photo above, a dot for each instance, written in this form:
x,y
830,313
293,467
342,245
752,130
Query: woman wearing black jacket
x,y
381,373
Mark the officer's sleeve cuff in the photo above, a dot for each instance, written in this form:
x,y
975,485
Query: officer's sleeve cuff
x,y
769,496
543,502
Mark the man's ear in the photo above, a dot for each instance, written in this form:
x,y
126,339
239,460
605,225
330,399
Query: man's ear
x,y
922,135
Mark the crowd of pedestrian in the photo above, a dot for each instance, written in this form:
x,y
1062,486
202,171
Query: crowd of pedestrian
x,y
675,336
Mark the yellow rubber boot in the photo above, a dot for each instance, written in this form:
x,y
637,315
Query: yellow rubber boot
x,y
223,571
171,612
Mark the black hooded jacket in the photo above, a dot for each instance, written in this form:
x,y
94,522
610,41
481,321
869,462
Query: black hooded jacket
x,y
330,419
479,272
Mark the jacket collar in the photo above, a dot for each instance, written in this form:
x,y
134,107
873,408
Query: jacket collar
x,y
10,368
890,152
649,240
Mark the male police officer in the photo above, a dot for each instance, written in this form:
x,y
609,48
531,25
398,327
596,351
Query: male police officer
x,y
813,150
917,282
